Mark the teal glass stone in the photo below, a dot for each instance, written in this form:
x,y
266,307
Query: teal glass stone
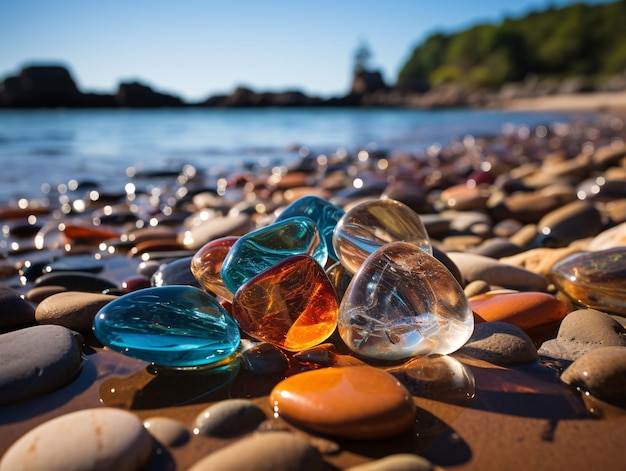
x,y
322,212
175,326
257,251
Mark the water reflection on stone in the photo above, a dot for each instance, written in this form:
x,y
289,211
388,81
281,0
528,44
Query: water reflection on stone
x,y
153,387
437,377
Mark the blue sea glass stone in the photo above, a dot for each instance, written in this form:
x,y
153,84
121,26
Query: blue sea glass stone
x,y
257,251
175,326
322,212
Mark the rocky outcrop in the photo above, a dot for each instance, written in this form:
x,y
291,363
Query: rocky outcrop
x,y
52,86
367,81
40,86
137,95
243,97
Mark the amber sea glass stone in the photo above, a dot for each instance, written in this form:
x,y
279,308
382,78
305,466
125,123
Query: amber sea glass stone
x,y
594,279
207,262
292,304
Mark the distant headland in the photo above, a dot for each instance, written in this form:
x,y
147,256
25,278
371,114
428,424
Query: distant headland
x,y
52,86
571,51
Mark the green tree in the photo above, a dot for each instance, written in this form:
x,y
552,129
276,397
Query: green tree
x,y
578,39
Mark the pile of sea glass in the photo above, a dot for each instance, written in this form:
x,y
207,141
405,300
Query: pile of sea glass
x,y
368,273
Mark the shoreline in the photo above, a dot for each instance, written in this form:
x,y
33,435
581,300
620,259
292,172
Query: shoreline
x,y
575,102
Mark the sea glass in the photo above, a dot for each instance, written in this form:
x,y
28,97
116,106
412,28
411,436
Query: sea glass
x,y
594,279
259,250
175,326
372,224
325,214
291,305
402,303
206,266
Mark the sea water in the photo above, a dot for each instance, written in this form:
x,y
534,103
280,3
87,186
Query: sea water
x,y
43,148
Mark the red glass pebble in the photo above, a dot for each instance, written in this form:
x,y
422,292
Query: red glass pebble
x,y
206,265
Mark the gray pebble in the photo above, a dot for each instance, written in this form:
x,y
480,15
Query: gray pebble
x,y
15,311
271,451
582,331
500,343
478,267
37,360
469,222
166,431
497,247
228,418
214,228
601,373
265,358
398,462
91,439
576,220
176,272
76,281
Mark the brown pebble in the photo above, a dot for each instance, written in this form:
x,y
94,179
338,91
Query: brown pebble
x,y
398,462
39,293
581,331
478,267
273,451
500,343
476,287
540,260
72,309
573,221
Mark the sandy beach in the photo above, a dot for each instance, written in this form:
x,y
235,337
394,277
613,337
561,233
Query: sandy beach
x,y
597,101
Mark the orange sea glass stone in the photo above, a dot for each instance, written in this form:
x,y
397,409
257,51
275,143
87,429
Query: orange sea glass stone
x,y
525,309
90,233
356,402
292,304
206,265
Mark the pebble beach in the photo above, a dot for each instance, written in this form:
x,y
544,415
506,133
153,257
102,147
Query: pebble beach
x,y
508,253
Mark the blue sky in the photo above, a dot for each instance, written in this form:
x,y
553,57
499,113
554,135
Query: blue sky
x,y
199,48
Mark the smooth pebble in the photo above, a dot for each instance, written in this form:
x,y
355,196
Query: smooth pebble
x,y
271,451
601,373
348,402
526,309
91,439
581,331
478,267
72,309
15,311
168,432
37,360
229,418
397,462
500,343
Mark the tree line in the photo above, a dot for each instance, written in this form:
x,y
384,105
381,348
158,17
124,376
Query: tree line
x,y
576,40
